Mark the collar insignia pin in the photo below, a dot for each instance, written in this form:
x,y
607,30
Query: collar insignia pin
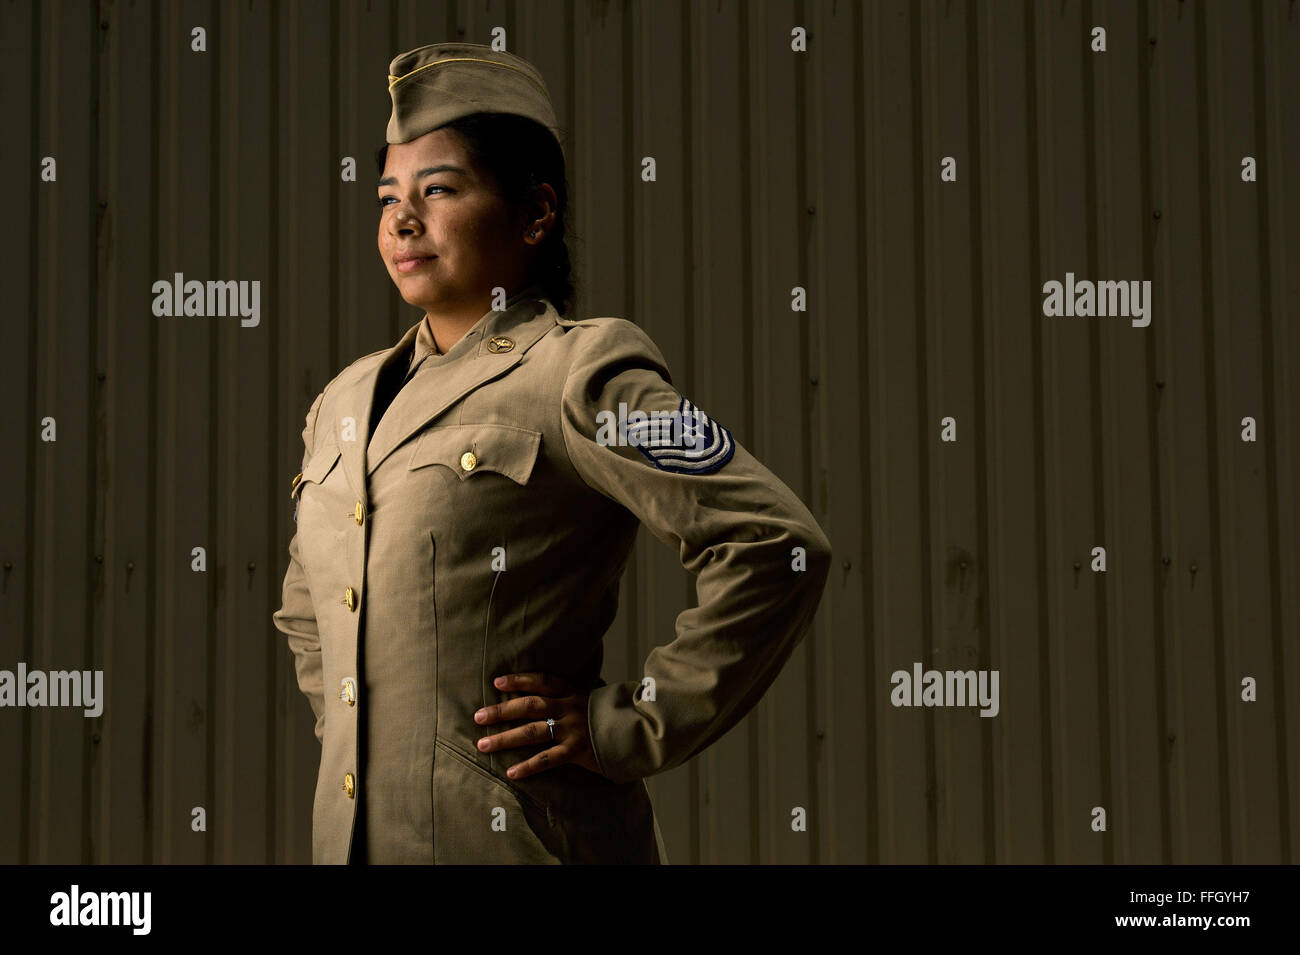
x,y
500,344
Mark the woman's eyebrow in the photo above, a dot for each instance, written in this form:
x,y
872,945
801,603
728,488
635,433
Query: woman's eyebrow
x,y
392,180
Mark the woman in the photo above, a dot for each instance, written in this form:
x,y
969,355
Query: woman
x,y
468,500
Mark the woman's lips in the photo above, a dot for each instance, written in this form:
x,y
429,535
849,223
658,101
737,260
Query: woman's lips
x,y
411,265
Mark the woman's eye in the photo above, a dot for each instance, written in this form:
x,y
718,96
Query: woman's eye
x,y
383,200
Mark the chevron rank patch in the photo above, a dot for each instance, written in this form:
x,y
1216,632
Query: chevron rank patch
x,y
685,441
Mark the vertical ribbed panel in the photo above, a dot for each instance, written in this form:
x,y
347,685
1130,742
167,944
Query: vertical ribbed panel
x,y
774,170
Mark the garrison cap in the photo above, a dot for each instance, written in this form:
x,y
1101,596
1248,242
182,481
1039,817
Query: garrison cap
x,y
435,84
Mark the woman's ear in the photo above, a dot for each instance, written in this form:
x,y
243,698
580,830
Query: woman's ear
x,y
541,212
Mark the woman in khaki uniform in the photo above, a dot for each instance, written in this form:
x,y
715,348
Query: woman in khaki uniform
x,y
467,502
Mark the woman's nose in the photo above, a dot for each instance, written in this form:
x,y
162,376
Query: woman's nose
x,y
405,223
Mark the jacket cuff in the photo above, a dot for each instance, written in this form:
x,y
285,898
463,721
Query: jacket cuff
x,y
607,716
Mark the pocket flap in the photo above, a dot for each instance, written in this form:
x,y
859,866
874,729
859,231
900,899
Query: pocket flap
x,y
468,449
320,465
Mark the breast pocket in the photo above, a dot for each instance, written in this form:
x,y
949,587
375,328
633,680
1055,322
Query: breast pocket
x,y
484,516
472,451
319,466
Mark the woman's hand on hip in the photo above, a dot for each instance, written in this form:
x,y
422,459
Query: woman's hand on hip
x,y
544,697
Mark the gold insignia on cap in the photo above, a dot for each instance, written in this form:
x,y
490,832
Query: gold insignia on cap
x,y
500,344
394,80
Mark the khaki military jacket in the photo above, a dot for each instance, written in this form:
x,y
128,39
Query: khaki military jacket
x,y
482,530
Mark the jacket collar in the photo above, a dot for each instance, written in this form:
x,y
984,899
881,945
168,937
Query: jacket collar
x,y
466,366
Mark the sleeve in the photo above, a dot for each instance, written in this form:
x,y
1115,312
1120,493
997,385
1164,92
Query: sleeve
x,y
296,618
759,557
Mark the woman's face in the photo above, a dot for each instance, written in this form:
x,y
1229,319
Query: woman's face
x,y
435,203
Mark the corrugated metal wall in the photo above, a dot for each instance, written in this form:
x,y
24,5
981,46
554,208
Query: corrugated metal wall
x,y
776,169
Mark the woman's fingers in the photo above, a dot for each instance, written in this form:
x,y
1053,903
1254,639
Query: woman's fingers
x,y
548,759
542,683
571,741
532,734
520,708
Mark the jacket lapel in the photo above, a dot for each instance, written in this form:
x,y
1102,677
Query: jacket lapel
x,y
429,394
355,401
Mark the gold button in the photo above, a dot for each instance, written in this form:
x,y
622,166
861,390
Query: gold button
x,y
360,513
349,692
350,598
468,461
296,478
349,786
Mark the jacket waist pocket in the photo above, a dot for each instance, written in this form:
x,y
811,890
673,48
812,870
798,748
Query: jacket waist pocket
x,y
456,753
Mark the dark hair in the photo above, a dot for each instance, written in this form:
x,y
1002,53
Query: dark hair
x,y
521,154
